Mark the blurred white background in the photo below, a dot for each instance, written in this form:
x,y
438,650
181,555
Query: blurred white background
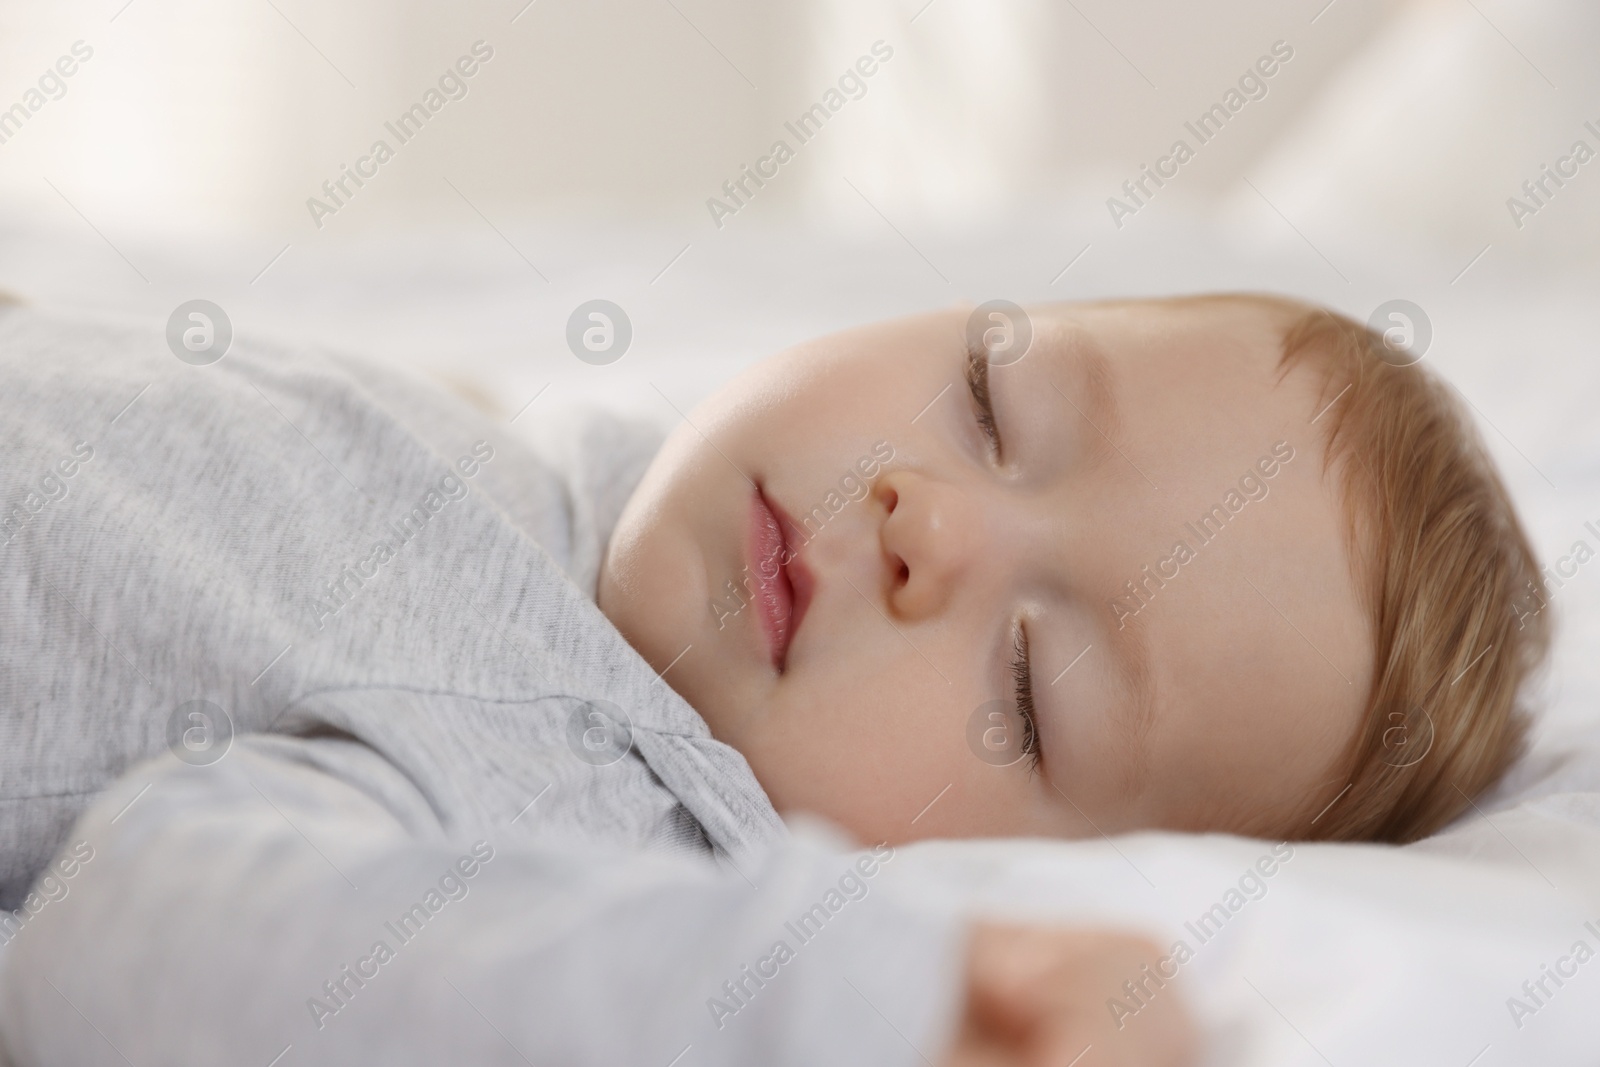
x,y
197,116
193,137
205,119
178,161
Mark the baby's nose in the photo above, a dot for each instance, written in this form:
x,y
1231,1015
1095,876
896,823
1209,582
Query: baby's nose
x,y
931,537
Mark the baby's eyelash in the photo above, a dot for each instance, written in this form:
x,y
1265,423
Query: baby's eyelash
x,y
1022,676
978,386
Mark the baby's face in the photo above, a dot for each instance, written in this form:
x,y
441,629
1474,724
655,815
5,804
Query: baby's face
x,y
868,665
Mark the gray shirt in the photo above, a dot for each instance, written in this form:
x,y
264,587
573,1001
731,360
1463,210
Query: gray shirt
x,y
316,744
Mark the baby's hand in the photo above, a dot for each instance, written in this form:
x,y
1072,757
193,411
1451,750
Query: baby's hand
x,y
1036,996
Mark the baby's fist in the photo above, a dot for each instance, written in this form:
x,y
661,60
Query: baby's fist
x,y
1036,996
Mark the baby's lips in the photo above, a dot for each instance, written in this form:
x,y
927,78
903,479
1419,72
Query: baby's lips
x,y
802,580
774,598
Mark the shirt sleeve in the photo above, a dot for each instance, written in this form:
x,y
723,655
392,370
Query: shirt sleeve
x,y
298,902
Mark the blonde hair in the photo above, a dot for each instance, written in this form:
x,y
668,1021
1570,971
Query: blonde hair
x,y
1445,571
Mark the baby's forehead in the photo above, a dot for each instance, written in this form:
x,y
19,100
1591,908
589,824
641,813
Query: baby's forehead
x,y
1181,358
1244,323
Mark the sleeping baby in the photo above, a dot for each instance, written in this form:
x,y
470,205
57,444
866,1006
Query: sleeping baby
x,y
344,723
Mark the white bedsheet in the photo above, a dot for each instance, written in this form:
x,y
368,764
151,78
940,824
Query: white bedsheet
x,y
1352,954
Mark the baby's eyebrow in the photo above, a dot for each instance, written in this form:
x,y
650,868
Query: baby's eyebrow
x,y
1135,714
1099,406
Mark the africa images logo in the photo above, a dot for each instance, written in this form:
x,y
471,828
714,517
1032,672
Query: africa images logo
x,y
852,84
51,86
1251,85
452,85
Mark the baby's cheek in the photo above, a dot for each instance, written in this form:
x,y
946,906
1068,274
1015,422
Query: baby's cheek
x,y
868,754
